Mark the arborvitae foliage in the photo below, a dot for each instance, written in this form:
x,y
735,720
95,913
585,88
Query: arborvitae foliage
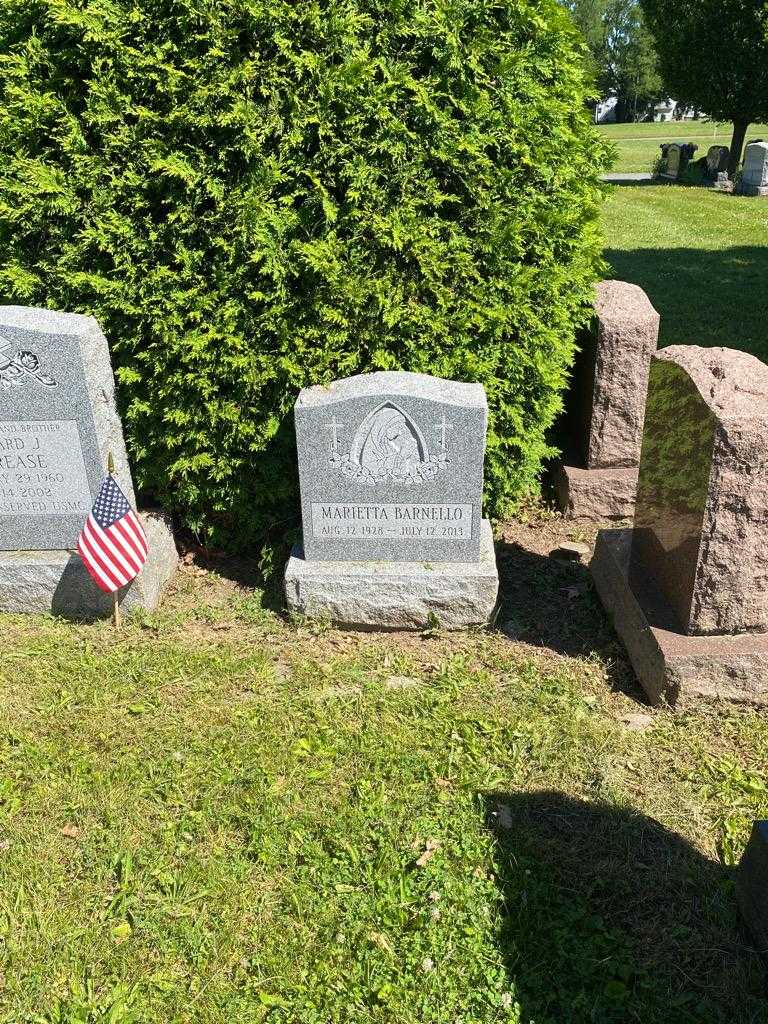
x,y
256,195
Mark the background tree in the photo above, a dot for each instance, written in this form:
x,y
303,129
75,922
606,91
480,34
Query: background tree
x,y
714,53
631,61
623,54
254,197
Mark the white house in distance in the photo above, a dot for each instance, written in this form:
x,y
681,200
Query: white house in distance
x,y
670,110
605,110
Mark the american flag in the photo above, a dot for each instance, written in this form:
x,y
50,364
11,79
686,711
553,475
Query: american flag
x,y
112,544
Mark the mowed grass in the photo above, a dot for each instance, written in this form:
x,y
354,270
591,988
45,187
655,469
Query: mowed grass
x,y
217,816
701,256
637,145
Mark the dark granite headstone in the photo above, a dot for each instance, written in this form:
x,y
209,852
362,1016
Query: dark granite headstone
x,y
701,520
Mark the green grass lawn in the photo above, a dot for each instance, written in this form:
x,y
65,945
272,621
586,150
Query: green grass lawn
x,y
701,256
637,145
217,816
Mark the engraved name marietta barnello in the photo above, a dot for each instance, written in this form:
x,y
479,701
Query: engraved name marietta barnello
x,y
415,513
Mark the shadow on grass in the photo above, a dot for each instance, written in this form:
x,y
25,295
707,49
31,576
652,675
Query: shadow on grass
x,y
704,297
610,917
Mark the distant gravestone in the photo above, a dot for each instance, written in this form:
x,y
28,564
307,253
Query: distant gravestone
x,y
717,160
677,156
674,155
58,426
391,474
687,587
754,175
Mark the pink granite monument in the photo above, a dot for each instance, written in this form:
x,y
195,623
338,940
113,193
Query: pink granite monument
x,y
687,587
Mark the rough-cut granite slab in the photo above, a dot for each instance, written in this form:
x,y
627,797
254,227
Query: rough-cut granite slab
x,y
701,520
58,582
625,337
396,595
391,468
606,406
58,423
752,885
596,495
670,665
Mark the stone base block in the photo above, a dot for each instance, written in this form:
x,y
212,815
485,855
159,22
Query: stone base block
x,y
752,886
396,595
594,495
670,665
58,582
754,190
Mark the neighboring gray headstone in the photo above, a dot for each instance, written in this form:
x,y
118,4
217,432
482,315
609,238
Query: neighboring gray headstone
x,y
754,175
58,426
58,422
391,468
701,522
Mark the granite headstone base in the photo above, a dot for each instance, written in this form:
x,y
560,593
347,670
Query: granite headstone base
x,y
670,665
754,190
752,886
396,595
596,495
58,583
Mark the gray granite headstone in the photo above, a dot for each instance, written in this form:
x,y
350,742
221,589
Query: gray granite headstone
x,y
391,468
58,424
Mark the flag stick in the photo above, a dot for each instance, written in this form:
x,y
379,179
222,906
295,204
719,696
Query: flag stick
x,y
117,617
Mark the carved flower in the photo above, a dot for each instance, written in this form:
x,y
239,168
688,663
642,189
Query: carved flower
x,y
28,360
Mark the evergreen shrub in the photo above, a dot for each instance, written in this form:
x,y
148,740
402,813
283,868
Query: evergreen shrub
x,y
256,195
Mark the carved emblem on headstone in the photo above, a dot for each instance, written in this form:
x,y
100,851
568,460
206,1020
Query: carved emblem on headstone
x,y
17,367
389,445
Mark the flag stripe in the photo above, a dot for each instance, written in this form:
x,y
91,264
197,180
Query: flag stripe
x,y
118,550
91,532
101,580
136,554
94,560
133,524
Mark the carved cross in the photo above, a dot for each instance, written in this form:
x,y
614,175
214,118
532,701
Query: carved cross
x,y
442,428
334,426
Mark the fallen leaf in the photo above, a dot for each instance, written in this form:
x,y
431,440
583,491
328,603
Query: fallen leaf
x,y
431,848
121,931
70,831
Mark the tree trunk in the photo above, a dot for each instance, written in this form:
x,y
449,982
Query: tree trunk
x,y
737,145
